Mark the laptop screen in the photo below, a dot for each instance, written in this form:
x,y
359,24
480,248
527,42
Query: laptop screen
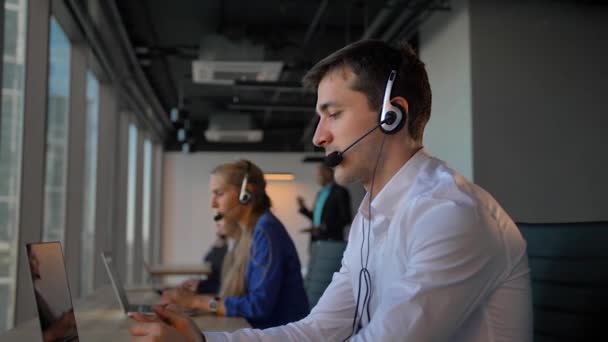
x,y
116,284
52,292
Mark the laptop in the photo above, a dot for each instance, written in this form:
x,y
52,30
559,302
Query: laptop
x,y
127,307
52,292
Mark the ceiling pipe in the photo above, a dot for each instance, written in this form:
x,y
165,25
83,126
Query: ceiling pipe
x,y
273,107
421,14
314,23
122,68
407,13
285,87
143,85
411,17
379,21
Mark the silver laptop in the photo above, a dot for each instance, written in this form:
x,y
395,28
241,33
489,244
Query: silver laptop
x,y
52,292
128,308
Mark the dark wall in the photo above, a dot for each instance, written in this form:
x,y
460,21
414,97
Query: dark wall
x,y
540,107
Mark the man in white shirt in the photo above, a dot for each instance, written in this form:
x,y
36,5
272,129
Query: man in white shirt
x,y
431,256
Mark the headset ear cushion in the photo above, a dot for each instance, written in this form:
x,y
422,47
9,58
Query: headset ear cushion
x,y
403,112
401,117
245,197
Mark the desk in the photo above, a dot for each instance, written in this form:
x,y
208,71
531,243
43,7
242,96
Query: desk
x,y
99,318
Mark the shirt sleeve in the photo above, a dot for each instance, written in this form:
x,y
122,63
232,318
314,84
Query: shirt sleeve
x,y
451,266
330,320
264,274
306,212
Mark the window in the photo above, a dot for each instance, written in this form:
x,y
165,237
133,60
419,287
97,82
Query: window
x,y
157,162
90,186
11,129
147,202
131,202
56,134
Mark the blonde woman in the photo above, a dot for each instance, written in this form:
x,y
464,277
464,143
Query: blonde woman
x,y
264,283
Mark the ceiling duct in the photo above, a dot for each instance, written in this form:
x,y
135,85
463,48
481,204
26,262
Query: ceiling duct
x,y
222,61
232,128
227,72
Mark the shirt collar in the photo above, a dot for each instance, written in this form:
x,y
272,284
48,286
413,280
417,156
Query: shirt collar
x,y
385,202
328,186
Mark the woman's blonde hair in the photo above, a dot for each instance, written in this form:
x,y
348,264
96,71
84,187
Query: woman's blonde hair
x,y
235,263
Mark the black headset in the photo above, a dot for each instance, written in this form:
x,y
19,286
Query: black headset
x,y
244,194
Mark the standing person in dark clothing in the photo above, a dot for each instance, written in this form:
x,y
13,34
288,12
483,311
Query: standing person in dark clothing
x,y
331,212
215,258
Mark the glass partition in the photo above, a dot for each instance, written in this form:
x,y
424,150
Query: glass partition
x,y
11,135
57,123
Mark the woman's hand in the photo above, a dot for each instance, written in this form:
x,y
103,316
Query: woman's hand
x,y
190,284
181,297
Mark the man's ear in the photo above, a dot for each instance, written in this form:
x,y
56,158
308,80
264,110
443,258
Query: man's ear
x,y
401,102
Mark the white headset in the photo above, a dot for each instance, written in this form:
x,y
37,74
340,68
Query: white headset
x,y
389,109
244,195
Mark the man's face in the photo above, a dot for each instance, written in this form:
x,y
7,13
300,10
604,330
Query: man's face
x,y
224,198
344,116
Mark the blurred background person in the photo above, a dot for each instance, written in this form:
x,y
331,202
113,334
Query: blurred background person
x,y
219,257
331,213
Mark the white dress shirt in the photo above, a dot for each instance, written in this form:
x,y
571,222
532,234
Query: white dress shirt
x,y
446,264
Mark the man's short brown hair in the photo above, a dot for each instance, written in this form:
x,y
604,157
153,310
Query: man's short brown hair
x,y
372,61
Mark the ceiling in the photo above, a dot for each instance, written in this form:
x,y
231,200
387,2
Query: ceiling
x,y
168,36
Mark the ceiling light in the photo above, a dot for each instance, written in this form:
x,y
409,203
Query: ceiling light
x,y
284,177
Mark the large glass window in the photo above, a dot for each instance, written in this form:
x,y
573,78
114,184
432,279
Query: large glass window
x,y
56,134
11,129
147,202
131,201
90,185
157,162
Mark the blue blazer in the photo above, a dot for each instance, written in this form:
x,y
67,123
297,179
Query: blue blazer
x,y
275,290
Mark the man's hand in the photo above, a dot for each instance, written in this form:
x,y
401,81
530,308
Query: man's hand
x,y
167,325
301,202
